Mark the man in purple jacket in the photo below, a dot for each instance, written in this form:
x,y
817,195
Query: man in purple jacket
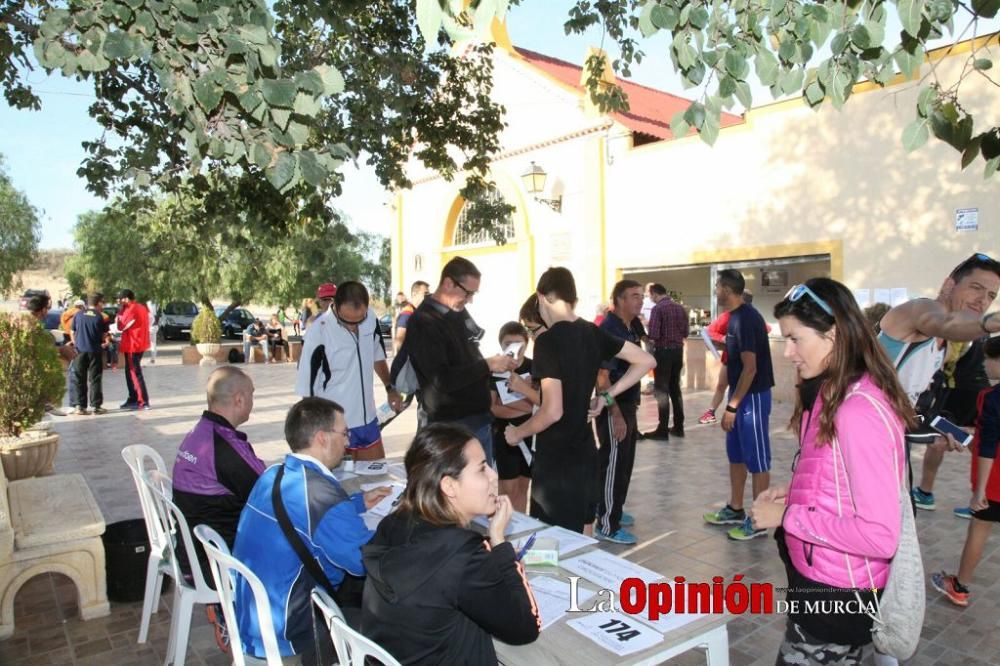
x,y
216,466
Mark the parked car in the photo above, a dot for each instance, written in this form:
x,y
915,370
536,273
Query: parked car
x,y
51,323
27,296
385,325
235,321
177,319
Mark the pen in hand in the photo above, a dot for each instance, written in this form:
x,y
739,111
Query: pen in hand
x,y
526,547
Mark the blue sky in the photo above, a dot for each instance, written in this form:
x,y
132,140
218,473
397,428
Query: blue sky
x,y
42,150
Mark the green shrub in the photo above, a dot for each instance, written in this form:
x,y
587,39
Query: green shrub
x,y
206,327
31,375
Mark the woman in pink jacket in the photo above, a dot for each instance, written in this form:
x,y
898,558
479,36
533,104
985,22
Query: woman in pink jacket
x,y
839,519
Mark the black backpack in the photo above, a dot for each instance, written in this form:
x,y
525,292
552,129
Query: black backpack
x,y
236,356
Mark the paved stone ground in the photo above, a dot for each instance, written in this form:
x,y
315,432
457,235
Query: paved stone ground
x,y
673,484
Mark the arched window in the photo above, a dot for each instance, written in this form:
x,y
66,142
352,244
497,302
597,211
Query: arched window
x,y
464,235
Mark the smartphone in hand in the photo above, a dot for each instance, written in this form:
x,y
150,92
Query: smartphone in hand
x,y
946,427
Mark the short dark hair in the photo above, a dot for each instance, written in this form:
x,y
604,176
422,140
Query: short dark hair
x,y
307,417
529,310
991,348
95,298
459,268
127,293
733,280
512,328
657,288
437,451
559,281
39,302
976,261
351,293
419,284
621,287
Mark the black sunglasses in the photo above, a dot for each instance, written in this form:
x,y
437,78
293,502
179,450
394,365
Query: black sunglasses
x,y
469,293
978,260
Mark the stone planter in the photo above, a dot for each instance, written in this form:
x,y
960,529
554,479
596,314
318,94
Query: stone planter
x,y
208,350
31,454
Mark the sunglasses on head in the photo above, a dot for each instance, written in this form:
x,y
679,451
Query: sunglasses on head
x,y
979,260
800,290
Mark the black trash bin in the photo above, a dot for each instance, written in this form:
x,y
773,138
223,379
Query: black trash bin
x,y
126,552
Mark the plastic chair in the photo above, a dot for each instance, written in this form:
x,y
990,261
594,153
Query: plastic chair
x,y
353,649
187,591
225,568
139,458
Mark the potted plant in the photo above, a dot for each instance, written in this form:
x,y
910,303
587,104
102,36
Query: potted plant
x,y
31,377
206,332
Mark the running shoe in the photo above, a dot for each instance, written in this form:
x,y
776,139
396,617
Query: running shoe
x,y
963,512
621,536
923,500
658,435
218,622
949,586
745,532
725,516
707,417
79,411
129,406
627,520
100,410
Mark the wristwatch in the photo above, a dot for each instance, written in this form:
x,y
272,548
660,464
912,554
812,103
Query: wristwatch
x,y
731,409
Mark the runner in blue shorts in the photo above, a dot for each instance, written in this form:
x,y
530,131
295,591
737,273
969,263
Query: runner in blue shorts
x,y
748,410
364,437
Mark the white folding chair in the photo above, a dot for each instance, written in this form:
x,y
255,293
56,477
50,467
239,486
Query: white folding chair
x,y
225,568
187,593
329,608
140,458
353,649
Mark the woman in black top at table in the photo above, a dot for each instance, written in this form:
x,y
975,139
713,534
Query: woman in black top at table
x,y
437,592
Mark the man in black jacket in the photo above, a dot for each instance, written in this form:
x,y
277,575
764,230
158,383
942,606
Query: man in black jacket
x,y
442,341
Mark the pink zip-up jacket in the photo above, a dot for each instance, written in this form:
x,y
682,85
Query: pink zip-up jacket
x,y
817,536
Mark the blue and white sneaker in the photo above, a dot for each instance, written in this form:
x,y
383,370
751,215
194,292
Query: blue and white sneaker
x,y
621,536
745,532
923,500
963,512
628,520
725,516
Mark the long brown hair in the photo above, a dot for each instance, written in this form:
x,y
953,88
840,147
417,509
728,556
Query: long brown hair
x,y
855,352
437,451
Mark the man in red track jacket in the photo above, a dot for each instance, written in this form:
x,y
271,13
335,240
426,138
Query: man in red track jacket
x,y
133,322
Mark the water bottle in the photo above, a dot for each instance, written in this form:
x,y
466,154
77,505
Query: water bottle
x,y
384,412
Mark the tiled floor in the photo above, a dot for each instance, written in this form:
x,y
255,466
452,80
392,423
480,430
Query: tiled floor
x,y
673,484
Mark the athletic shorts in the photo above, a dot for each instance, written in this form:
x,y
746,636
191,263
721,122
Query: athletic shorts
x,y
364,437
990,514
510,460
749,442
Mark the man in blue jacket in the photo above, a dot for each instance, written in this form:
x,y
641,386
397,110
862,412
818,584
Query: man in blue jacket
x,y
326,519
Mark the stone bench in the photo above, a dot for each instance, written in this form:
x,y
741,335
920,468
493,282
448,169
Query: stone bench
x,y
51,524
190,355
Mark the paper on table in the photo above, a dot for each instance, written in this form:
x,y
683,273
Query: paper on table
x,y
552,595
568,541
371,467
365,487
616,632
669,621
398,470
518,523
709,342
389,502
607,570
341,474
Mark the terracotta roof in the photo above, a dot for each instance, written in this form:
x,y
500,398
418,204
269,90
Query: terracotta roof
x,y
650,110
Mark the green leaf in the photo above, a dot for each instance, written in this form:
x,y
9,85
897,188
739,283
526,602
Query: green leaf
x,y
281,117
744,95
982,64
767,67
709,132
986,8
186,33
306,104
135,4
971,151
860,37
925,101
876,32
429,16
839,43
814,94
698,18
678,126
727,86
664,17
695,115
786,51
310,82
281,174
255,34
188,8
312,171
250,100
686,55
791,81
268,55
840,88
333,82
911,15
646,26
50,54
990,143
145,24
991,167
819,30
736,64
915,134
208,93
118,46
261,155
299,132
279,92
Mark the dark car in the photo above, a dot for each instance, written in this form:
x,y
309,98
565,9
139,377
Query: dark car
x,y
234,323
177,319
385,326
51,323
